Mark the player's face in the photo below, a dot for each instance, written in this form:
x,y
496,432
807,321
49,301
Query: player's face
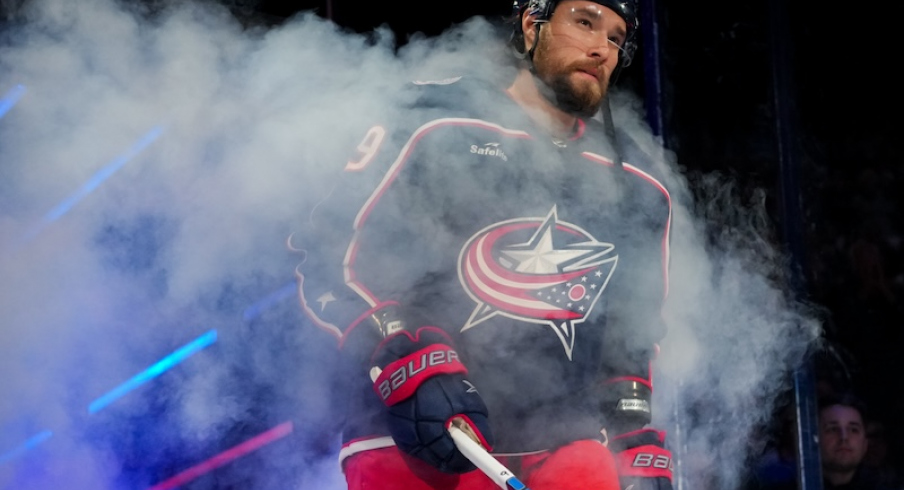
x,y
842,438
577,51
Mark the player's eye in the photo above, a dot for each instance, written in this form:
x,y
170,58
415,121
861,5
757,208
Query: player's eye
x,y
582,19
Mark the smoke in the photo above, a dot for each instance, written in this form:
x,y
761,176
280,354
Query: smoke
x,y
737,329
155,157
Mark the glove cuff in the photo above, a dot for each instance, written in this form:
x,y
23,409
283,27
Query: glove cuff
x,y
401,378
641,454
645,462
638,438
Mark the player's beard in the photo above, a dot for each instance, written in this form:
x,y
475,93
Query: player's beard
x,y
580,97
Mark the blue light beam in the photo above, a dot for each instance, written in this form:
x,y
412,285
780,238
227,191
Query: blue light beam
x,y
25,446
269,301
10,99
96,180
155,370
101,175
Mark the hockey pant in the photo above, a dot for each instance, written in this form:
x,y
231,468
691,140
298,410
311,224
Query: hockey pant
x,y
580,465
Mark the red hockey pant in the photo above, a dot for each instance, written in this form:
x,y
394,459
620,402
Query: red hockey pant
x,y
581,465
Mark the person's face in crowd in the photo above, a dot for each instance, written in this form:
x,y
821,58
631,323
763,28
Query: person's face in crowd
x,y
577,52
842,438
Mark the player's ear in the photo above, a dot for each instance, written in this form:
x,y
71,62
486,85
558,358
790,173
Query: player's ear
x,y
529,28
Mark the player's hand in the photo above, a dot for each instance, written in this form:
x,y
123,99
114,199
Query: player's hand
x,y
643,462
424,385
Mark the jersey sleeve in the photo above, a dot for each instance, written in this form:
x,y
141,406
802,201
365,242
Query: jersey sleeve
x,y
333,294
356,277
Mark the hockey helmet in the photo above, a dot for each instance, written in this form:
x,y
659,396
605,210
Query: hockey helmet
x,y
543,9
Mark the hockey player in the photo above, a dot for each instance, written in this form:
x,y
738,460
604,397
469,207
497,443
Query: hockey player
x,y
502,266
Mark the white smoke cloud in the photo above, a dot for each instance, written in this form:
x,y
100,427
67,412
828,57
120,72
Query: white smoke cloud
x,y
736,328
150,173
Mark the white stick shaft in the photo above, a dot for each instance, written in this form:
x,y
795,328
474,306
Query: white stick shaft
x,y
484,461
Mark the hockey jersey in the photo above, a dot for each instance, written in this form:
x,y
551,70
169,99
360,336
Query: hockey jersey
x,y
546,260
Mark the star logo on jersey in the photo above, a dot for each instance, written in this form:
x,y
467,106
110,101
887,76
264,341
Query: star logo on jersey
x,y
538,270
325,299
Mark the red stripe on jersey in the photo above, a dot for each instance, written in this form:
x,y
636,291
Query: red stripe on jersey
x,y
394,171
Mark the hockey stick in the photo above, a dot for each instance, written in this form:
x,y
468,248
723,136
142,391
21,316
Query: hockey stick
x,y
483,460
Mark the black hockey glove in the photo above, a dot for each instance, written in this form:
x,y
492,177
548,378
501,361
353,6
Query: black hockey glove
x,y
423,384
643,461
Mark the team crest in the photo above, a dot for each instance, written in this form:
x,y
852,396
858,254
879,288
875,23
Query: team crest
x,y
538,270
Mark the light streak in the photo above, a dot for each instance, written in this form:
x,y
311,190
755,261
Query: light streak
x,y
155,370
268,301
103,174
10,99
25,446
96,180
225,457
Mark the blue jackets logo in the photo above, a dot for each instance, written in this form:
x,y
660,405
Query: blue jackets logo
x,y
539,270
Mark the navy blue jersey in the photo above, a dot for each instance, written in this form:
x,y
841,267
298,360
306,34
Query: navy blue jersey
x,y
546,260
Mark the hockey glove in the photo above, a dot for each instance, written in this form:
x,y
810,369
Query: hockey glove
x,y
643,462
423,384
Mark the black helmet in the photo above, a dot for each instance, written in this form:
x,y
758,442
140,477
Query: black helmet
x,y
543,9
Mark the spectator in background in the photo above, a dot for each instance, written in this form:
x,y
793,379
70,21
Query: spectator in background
x,y
843,445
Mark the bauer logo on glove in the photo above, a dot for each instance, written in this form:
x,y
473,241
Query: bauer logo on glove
x,y
400,378
422,383
650,460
